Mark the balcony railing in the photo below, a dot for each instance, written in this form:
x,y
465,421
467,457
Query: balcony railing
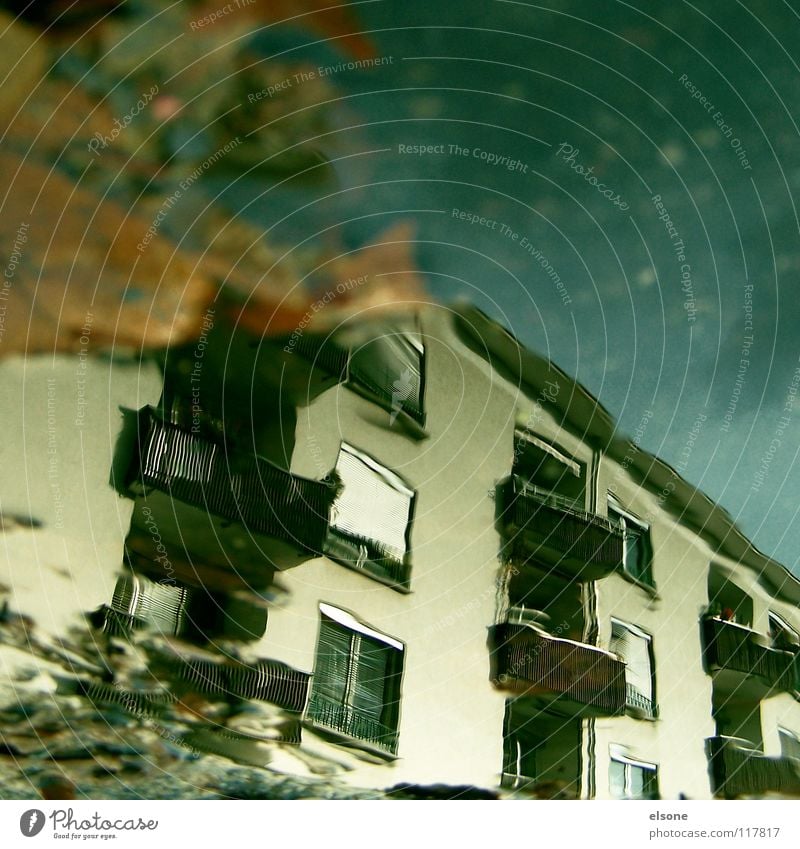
x,y
368,556
587,679
265,680
581,545
351,722
737,770
198,470
636,702
736,648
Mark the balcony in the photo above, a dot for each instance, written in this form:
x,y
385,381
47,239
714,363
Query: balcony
x,y
266,680
736,649
198,469
737,769
554,531
582,679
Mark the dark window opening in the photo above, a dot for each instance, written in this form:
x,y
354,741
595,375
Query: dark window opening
x,y
390,369
541,752
548,470
782,635
637,558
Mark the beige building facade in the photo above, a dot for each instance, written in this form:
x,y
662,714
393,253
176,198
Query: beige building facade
x,y
479,582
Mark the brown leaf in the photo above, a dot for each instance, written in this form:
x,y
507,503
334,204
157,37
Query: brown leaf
x,y
75,277
333,19
22,63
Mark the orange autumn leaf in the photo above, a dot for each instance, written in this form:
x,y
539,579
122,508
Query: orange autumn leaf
x,y
332,19
73,263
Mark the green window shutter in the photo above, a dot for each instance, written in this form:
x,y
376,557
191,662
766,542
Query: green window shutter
x,y
370,677
333,661
390,367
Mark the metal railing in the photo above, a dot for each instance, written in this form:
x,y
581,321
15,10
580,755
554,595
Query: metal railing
x,y
738,769
249,489
736,648
368,556
351,721
531,662
555,531
265,680
636,701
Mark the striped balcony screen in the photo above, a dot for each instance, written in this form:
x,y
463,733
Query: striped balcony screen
x,y
248,489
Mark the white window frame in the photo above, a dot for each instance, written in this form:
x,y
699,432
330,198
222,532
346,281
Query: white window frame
x,y
784,625
573,466
349,621
619,754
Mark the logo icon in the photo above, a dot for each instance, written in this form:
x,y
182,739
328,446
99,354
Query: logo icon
x,y
31,822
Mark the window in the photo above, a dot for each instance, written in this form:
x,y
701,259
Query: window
x,y
634,646
782,634
790,743
631,779
547,469
390,370
637,558
370,517
356,684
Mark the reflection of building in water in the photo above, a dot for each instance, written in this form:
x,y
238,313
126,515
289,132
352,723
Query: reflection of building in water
x,y
469,577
